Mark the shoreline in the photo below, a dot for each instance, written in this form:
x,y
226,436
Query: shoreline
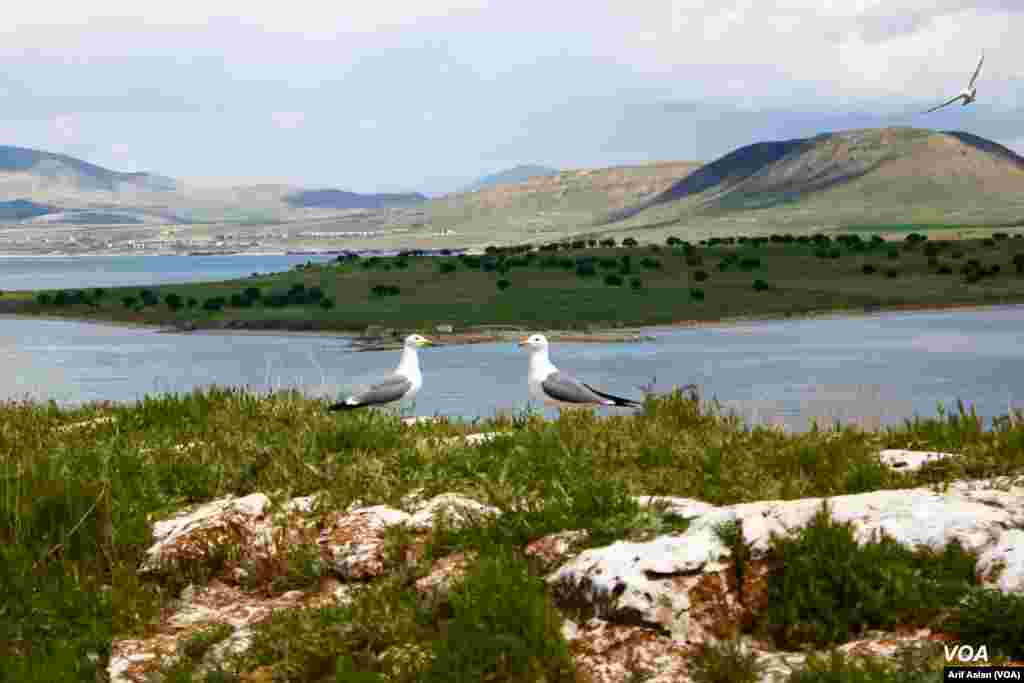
x,y
483,335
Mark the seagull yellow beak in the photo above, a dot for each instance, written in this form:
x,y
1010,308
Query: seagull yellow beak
x,y
524,341
424,342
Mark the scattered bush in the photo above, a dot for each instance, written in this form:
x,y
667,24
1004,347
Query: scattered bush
x,y
673,241
990,616
613,280
945,270
635,283
1018,263
760,285
893,254
326,303
629,242
608,242
694,259
650,263
385,290
193,302
988,242
892,272
129,301
828,588
504,284
44,299
214,303
585,269
750,263
700,275
174,301
868,269
697,294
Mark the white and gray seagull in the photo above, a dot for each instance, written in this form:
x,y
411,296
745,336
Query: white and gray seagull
x,y
968,94
554,387
403,383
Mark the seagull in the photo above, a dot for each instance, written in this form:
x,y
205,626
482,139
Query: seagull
x,y
403,383
549,385
968,94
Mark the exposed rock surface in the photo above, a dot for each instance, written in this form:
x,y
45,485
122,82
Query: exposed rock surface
x,y
651,602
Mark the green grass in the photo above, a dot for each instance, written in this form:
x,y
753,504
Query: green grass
x,y
77,505
567,290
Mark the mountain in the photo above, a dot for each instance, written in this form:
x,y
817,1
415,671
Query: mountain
x,y
66,170
510,176
857,177
340,199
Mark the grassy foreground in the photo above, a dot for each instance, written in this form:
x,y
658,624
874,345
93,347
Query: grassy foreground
x,y
79,490
578,285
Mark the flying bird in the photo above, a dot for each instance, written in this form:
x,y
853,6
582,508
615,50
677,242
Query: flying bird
x,y
549,385
403,383
968,94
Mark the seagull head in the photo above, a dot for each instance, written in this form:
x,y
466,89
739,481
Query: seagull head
x,y
535,342
416,340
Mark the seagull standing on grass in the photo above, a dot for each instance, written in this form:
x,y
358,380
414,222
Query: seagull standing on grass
x,y
549,385
403,383
968,94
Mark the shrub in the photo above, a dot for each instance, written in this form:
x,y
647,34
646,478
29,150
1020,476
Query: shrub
x,y
834,252
585,269
990,616
174,301
827,588
613,280
635,283
945,270
129,301
504,284
608,242
957,253
750,263
700,275
821,253
629,242
591,243
326,303
726,661
252,293
760,285
239,301
988,242
892,272
650,263
99,293
694,259
214,303
868,269
697,294
893,254
672,241
579,244
1018,263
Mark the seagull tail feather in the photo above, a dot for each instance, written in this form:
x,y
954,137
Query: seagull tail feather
x,y
344,406
617,400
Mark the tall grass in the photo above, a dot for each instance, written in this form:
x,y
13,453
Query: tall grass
x,y
80,488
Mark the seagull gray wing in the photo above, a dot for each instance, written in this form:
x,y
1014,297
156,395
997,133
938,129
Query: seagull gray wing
x,y
566,388
391,388
944,104
977,71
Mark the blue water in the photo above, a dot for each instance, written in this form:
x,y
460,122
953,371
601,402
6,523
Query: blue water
x,y
871,370
75,272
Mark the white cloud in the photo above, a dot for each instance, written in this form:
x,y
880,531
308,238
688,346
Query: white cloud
x,y
65,127
288,120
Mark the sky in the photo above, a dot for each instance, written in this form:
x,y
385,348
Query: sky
x,y
422,95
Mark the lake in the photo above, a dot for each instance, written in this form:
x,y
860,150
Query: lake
x,y
77,272
875,369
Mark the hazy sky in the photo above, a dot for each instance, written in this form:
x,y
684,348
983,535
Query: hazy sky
x,y
426,95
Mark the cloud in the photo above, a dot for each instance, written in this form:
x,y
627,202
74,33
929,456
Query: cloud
x,y
65,127
288,120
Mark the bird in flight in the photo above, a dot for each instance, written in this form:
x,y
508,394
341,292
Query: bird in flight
x,y
968,94
549,385
403,383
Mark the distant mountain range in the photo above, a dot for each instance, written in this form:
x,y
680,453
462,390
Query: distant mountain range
x,y
510,176
82,174
340,199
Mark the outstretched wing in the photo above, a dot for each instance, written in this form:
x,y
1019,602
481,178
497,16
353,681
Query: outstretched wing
x,y
567,389
944,104
977,71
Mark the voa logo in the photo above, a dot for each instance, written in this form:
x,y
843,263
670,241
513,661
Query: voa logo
x,y
966,653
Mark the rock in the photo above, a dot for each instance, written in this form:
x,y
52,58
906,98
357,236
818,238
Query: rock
x,y
457,510
681,584
445,573
420,419
911,461
354,541
444,329
95,422
611,653
554,549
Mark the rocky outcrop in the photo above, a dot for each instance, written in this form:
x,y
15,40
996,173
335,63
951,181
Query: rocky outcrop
x,y
644,606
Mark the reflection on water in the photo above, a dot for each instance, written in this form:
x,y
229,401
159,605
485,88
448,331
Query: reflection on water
x,y
872,371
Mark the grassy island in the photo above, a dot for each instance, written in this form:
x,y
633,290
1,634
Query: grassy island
x,y
576,285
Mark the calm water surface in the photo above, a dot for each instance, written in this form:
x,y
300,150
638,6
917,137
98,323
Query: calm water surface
x,y
73,272
874,370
